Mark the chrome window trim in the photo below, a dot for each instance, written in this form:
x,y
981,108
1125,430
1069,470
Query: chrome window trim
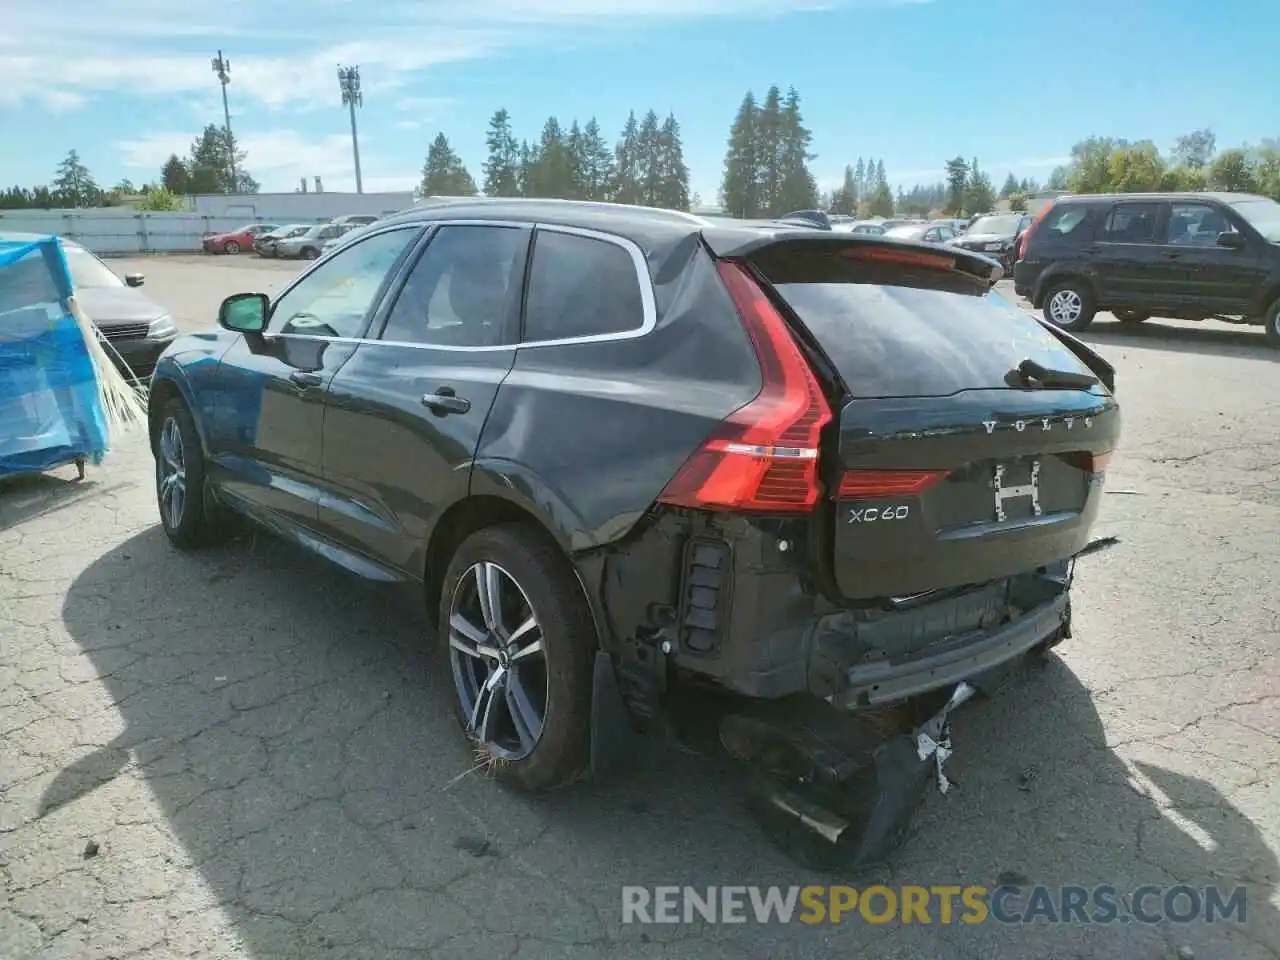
x,y
648,299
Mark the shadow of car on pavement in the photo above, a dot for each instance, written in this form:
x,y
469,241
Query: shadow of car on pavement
x,y
1241,341
300,745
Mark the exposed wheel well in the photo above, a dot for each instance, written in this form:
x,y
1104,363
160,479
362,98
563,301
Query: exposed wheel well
x,y
161,394
1269,300
459,522
1058,280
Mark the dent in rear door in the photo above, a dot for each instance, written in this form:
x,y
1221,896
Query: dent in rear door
x,y
405,413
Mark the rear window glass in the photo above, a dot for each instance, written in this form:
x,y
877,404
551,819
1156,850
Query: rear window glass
x,y
892,341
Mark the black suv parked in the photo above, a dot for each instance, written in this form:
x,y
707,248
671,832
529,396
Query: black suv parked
x,y
1189,256
630,459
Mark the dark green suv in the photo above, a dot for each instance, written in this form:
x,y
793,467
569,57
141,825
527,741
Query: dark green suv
x,y
1185,256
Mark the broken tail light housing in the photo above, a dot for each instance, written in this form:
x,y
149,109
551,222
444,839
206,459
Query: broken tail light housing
x,y
764,456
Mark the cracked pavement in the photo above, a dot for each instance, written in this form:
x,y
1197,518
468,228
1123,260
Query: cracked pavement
x,y
245,753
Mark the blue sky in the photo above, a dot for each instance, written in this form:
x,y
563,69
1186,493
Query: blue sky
x,y
1013,82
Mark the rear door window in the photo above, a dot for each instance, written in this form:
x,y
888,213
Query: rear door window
x,y
1131,223
582,286
462,290
897,341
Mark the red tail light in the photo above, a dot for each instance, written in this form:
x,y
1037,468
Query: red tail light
x,y
874,484
764,456
1031,228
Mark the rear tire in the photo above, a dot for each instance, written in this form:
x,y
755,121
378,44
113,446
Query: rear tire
x,y
188,515
231,247
1070,305
1131,316
526,636
1272,320
311,253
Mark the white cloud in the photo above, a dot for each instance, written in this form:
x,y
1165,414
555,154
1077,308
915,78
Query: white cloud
x,y
55,53
278,159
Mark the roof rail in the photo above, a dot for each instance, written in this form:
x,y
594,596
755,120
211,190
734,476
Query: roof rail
x,y
682,215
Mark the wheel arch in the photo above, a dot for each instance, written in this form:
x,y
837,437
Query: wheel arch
x,y
1054,280
486,508
166,385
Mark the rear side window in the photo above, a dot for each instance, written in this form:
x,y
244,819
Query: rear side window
x,y
581,287
895,341
1131,223
1069,221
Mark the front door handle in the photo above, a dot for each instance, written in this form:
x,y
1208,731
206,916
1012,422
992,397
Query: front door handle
x,y
304,378
1171,255
444,402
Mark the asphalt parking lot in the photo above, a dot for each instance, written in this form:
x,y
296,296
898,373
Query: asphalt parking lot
x,y
246,754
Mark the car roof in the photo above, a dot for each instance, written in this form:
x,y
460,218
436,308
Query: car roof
x,y
644,226
655,231
1220,196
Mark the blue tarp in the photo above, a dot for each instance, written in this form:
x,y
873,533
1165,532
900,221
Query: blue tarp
x,y
51,410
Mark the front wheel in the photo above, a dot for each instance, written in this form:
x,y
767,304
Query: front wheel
x,y
188,518
311,253
1272,320
520,640
1070,306
232,247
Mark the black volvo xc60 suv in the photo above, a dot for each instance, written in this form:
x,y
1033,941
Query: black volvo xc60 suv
x,y
635,458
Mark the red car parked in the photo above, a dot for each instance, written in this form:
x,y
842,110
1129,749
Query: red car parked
x,y
233,241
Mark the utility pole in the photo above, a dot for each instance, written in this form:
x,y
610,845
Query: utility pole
x,y
222,67
349,82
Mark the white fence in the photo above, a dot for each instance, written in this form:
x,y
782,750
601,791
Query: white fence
x,y
120,232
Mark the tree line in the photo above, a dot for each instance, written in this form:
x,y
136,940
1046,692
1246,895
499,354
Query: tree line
x,y
207,168
766,170
1111,165
645,166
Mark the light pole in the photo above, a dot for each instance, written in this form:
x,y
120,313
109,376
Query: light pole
x,y
222,67
349,82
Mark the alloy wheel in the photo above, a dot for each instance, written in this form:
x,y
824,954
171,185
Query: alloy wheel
x,y
232,247
173,474
1065,307
498,661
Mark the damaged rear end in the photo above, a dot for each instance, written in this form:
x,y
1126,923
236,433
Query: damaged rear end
x,y
889,525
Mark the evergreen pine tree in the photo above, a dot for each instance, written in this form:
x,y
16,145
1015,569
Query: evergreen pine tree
x,y
502,168
627,186
74,184
173,175
551,174
597,163
649,160
797,189
770,139
443,173
673,173
740,187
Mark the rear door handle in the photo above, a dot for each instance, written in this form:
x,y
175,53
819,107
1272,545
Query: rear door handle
x,y
444,402
305,379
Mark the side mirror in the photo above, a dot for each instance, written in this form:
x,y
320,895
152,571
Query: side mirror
x,y
134,279
1231,240
244,313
